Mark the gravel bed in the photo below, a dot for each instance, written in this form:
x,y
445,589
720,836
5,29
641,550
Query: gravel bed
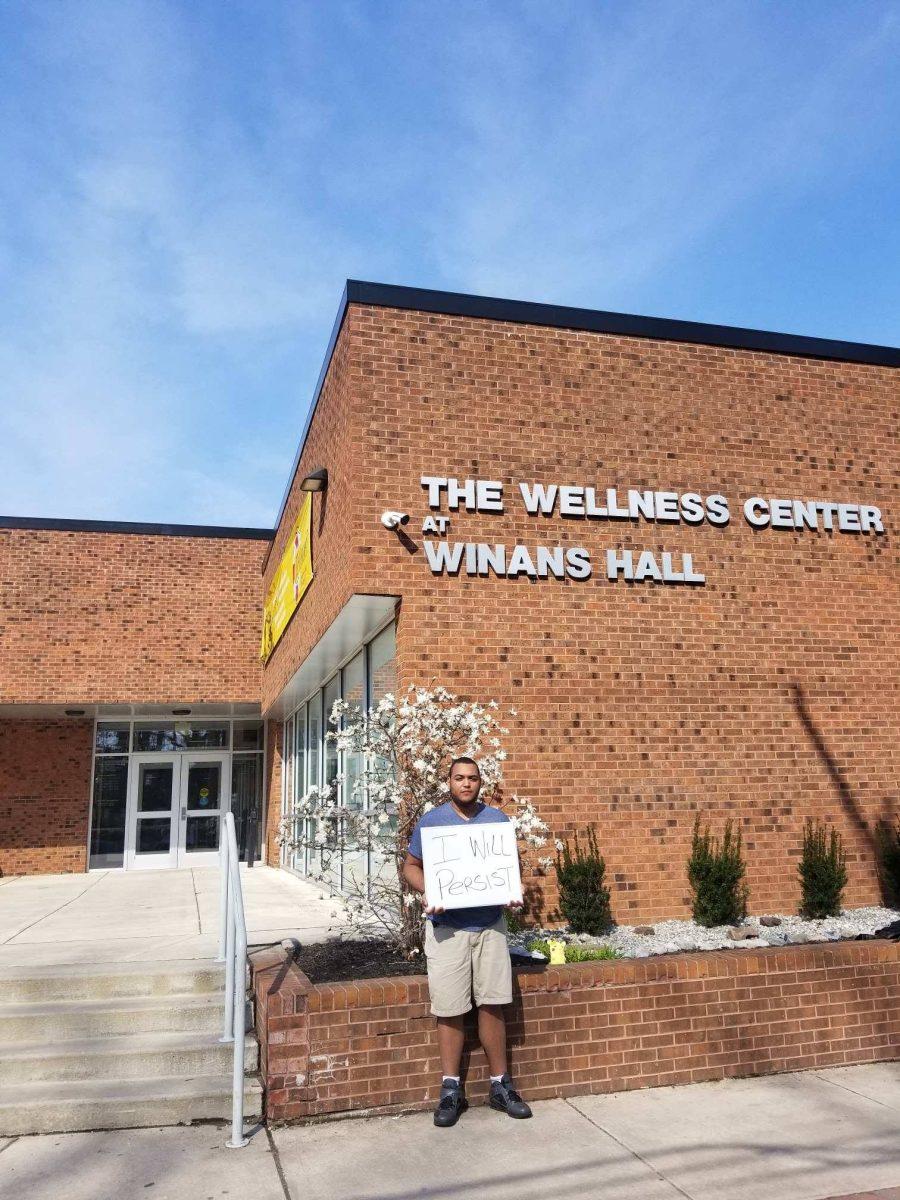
x,y
670,937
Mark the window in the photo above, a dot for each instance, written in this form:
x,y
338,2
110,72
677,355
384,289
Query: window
x,y
361,682
354,692
300,855
169,735
115,741
108,811
383,664
246,800
247,735
331,767
113,737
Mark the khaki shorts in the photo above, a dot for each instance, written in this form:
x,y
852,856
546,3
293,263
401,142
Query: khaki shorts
x,y
461,962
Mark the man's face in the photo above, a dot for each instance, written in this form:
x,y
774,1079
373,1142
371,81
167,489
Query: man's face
x,y
465,783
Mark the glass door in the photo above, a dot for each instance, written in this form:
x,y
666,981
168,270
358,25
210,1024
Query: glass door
x,y
154,788
203,793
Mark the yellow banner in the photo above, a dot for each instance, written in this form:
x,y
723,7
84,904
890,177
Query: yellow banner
x,y
290,581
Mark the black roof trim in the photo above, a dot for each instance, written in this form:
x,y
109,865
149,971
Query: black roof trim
x,y
146,527
559,316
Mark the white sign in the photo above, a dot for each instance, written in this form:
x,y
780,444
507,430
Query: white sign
x,y
472,865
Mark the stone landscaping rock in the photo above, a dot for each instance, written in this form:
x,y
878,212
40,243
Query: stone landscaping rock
x,y
668,936
741,933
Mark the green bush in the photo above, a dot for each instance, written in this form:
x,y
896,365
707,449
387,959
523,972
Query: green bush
x,y
576,954
539,945
716,875
514,921
887,844
823,871
583,899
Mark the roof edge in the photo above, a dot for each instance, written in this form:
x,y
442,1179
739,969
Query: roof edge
x,y
148,528
559,316
588,320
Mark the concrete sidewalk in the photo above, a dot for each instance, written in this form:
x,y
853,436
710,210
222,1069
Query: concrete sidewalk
x,y
791,1137
126,916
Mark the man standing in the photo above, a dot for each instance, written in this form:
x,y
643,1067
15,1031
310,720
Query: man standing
x,y
466,951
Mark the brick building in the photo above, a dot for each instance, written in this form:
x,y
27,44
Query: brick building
x,y
670,547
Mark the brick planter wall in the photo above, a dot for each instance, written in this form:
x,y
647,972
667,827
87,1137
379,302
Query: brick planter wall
x,y
601,1027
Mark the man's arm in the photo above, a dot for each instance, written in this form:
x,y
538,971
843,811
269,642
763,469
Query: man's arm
x,y
415,877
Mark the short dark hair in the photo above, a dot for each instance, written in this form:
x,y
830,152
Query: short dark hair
x,y
463,759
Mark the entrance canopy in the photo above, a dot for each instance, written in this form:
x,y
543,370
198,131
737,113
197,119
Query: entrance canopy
x,y
360,618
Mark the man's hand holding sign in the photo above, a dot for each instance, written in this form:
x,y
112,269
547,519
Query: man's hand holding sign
x,y
468,867
463,856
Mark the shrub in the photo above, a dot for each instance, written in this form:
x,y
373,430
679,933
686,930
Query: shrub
x,y
539,945
583,899
576,953
887,845
716,875
515,921
823,871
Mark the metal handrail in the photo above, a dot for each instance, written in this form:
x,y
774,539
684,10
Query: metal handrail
x,y
233,950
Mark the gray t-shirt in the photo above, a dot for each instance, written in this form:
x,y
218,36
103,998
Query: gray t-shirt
x,y
471,919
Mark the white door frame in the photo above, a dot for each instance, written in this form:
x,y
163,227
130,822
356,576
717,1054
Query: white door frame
x,y
151,862
177,855
185,857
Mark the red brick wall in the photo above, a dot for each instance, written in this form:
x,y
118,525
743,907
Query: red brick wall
x,y
45,783
111,618
767,695
599,1027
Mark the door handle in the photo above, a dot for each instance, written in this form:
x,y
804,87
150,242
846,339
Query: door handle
x,y
183,813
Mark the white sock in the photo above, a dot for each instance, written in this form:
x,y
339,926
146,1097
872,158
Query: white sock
x,y
496,1078
450,1079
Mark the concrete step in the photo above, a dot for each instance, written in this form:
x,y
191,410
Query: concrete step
x,y
106,980
59,1020
120,1104
135,1056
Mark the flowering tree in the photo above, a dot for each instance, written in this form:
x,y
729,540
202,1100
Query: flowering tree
x,y
396,758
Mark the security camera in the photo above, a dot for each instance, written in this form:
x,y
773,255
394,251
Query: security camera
x,y
390,520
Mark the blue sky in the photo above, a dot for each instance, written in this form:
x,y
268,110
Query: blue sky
x,y
185,187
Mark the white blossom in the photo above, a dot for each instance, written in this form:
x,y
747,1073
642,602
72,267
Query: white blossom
x,y
403,748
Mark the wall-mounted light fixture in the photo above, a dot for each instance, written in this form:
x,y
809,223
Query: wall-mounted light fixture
x,y
393,520
181,712
75,712
316,481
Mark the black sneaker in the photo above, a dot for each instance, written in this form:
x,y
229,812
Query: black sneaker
x,y
506,1099
451,1105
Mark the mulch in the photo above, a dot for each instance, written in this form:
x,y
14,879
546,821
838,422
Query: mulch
x,y
336,960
